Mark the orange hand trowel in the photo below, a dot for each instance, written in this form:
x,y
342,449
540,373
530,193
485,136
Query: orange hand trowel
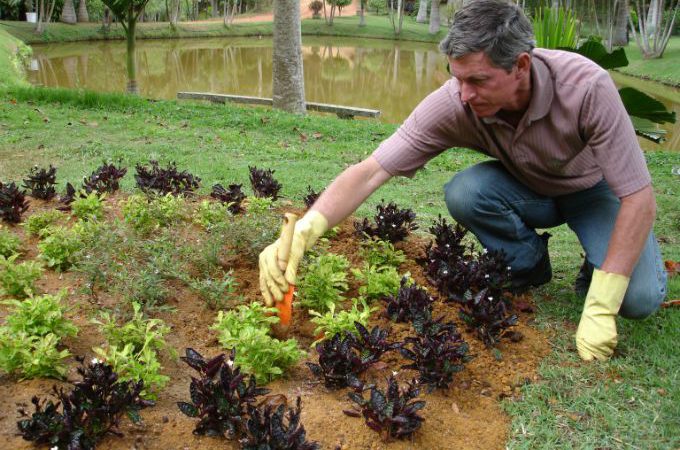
x,y
285,306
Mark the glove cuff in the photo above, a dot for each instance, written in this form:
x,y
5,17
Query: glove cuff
x,y
315,222
607,289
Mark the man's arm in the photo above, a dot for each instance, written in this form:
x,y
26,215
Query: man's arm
x,y
349,190
633,224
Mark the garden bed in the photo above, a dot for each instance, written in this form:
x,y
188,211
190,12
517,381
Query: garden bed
x,y
465,415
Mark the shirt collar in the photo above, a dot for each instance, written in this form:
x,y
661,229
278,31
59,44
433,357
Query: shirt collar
x,y
542,92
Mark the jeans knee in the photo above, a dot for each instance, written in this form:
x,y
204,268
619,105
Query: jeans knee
x,y
463,193
641,303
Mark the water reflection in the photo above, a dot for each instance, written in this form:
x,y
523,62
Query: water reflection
x,y
392,77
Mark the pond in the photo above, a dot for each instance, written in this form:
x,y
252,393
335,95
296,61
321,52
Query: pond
x,y
386,75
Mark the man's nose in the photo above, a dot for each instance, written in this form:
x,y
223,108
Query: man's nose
x,y
467,92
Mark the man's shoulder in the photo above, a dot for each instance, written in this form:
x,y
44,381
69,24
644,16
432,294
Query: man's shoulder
x,y
569,68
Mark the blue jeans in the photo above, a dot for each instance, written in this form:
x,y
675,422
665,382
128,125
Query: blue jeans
x,y
503,214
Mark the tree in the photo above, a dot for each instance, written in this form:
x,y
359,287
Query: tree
x,y
83,16
655,30
422,12
45,11
434,17
127,12
362,13
396,14
68,13
288,76
230,11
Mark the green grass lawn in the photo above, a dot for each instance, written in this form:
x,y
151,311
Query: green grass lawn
x,y
632,401
666,69
377,27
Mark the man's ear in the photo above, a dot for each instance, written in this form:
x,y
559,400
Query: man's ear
x,y
523,64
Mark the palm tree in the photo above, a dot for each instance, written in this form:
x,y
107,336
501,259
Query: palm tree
x,y
68,13
83,16
288,76
434,17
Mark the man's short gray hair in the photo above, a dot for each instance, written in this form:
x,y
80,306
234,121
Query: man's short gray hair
x,y
496,27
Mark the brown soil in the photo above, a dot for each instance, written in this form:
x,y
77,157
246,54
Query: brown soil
x,y
466,416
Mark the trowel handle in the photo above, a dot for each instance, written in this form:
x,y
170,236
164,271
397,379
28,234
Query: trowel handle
x,y
287,231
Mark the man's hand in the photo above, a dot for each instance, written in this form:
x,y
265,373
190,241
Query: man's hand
x,y
596,335
273,282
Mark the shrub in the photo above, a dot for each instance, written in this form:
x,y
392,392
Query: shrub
x,y
88,206
9,243
210,213
139,331
250,233
106,178
259,205
377,281
40,316
91,410
343,357
437,354
37,222
379,253
217,294
13,203
40,182
323,282
146,214
391,223
488,313
156,180
411,304
220,395
18,280
58,247
32,356
263,183
316,6
391,413
270,427
311,197
233,197
246,330
331,323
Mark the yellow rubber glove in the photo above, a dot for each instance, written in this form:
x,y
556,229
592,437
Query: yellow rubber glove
x,y
596,335
273,282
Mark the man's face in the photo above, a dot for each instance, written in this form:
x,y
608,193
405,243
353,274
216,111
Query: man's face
x,y
485,87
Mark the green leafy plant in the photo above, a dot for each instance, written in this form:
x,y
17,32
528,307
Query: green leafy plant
x,y
18,279
29,356
379,253
208,214
9,243
323,282
377,281
89,206
30,338
37,222
58,247
248,234
136,366
555,27
331,323
217,294
145,214
41,315
139,331
246,330
259,205
145,285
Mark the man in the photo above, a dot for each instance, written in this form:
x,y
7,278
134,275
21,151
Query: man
x,y
564,151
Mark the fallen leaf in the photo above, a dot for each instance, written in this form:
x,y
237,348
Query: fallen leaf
x,y
46,119
303,137
264,120
455,408
13,101
672,267
317,135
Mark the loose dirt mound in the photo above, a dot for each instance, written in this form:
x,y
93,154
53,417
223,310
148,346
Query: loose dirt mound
x,y
466,416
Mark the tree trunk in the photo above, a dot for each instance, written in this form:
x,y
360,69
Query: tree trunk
x,y
83,16
362,13
214,8
68,13
422,12
288,76
132,86
434,17
620,32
